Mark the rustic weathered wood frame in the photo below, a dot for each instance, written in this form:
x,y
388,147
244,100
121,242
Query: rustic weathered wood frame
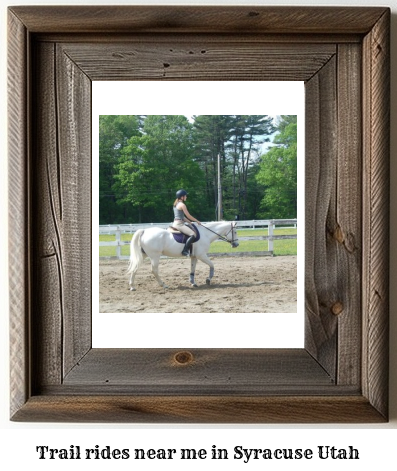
x,y
343,56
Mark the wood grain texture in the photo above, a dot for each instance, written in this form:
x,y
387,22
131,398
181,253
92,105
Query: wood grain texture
x,y
199,409
47,293
333,215
62,261
174,37
341,375
213,59
151,370
18,210
73,109
198,19
346,228
321,278
376,90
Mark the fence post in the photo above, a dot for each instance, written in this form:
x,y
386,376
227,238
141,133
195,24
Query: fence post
x,y
118,240
270,234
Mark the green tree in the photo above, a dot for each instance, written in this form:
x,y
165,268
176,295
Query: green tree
x,y
145,159
248,133
210,136
155,165
278,172
114,133
237,140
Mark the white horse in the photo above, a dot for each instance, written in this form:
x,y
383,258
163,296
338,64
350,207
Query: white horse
x,y
154,242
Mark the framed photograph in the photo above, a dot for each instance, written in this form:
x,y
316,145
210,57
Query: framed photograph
x,y
139,160
340,375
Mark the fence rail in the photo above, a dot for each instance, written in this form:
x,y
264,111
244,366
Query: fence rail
x,y
270,224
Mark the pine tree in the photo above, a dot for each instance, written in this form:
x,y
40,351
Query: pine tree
x,y
249,132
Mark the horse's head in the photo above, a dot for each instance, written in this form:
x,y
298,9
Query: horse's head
x,y
231,235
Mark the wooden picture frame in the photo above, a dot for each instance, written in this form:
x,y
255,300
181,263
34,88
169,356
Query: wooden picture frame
x,y
342,54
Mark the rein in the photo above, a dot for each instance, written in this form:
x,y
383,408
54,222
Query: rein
x,y
225,239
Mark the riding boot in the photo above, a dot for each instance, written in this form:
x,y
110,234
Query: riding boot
x,y
188,243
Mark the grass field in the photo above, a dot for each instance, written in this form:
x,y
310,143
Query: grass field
x,y
281,247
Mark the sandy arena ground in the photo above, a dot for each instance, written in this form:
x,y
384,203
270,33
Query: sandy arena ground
x,y
240,284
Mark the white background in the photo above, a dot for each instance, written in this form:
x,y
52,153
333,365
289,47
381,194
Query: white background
x,y
376,443
243,330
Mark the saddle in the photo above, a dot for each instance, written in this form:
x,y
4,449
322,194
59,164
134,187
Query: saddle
x,y
180,237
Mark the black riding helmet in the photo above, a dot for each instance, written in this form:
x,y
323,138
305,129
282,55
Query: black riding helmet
x,y
181,193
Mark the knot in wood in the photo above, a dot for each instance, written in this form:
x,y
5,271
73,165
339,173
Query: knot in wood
x,y
183,358
338,235
337,308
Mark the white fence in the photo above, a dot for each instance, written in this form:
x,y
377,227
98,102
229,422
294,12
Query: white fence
x,y
270,224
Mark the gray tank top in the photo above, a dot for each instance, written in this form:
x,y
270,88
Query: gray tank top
x,y
178,213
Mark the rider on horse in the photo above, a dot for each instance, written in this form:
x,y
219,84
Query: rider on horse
x,y
181,214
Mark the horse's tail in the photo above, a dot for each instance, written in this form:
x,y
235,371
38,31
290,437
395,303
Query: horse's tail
x,y
136,254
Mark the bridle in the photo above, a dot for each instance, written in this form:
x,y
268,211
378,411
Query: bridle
x,y
224,238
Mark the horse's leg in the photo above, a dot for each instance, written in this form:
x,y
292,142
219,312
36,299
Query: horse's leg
x,y
204,258
155,270
193,263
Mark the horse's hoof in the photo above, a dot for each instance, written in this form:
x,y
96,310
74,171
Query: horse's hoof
x,y
132,288
193,285
208,281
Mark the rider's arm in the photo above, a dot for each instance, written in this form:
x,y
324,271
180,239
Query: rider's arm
x,y
187,214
